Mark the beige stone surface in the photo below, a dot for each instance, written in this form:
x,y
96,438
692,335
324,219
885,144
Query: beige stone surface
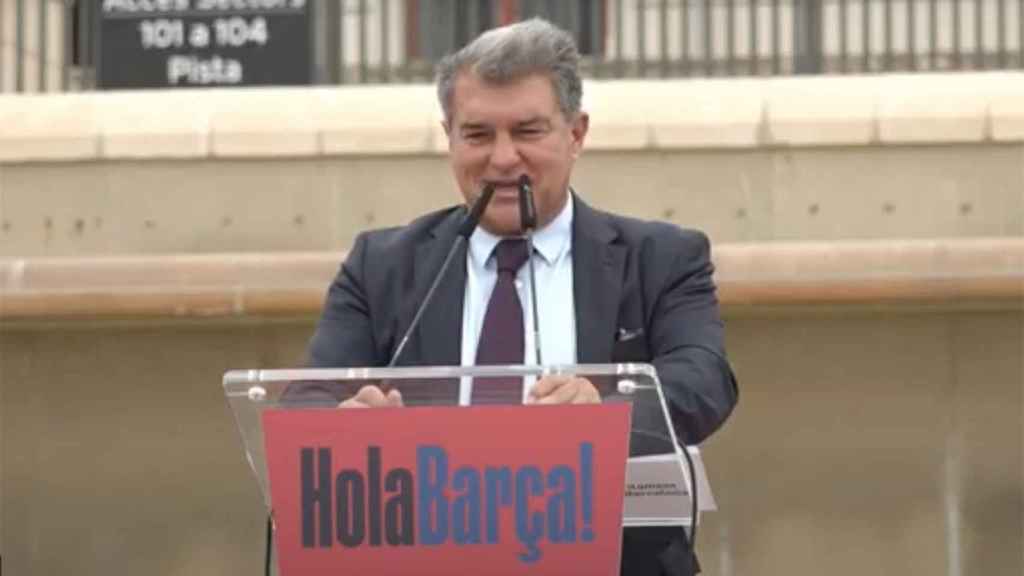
x,y
166,124
850,426
704,113
378,191
56,127
726,193
934,108
897,192
1007,113
735,195
240,205
4,222
167,207
953,273
262,122
966,258
377,120
262,204
621,115
838,110
67,211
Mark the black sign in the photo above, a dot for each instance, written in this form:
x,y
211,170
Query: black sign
x,y
196,43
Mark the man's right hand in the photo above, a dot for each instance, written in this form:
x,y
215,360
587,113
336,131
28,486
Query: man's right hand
x,y
373,397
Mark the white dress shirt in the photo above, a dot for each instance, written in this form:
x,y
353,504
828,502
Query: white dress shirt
x,y
556,310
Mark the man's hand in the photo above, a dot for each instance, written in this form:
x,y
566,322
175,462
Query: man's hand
x,y
564,390
373,397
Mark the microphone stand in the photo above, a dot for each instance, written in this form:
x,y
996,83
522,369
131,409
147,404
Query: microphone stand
x,y
465,231
528,214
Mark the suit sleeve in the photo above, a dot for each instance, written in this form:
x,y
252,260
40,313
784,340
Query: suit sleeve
x,y
344,336
688,344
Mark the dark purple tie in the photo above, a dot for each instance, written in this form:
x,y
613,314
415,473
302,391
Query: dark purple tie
x,y
501,338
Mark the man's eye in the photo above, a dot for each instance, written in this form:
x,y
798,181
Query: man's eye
x,y
475,136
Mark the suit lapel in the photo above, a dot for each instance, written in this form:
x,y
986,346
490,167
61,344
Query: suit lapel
x,y
439,336
597,267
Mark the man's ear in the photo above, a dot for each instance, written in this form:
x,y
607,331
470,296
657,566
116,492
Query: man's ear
x,y
579,128
447,132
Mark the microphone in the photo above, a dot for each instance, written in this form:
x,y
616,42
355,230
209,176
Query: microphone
x,y
466,228
528,219
527,209
476,211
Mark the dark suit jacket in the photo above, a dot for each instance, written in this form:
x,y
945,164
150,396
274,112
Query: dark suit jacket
x,y
643,292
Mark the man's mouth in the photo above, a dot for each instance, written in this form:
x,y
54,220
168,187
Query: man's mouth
x,y
505,188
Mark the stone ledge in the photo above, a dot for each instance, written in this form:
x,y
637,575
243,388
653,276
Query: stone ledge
x,y
391,120
405,119
140,129
805,114
929,109
946,272
1007,115
702,113
263,123
60,127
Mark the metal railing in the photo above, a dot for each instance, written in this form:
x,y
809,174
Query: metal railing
x,y
49,45
44,46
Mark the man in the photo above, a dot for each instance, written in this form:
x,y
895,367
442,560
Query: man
x,y
609,288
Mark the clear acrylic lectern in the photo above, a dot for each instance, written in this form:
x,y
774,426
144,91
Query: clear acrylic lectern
x,y
658,483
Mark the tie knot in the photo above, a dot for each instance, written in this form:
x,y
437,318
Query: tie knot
x,y
511,254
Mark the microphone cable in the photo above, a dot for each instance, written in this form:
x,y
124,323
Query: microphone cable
x,y
691,538
268,553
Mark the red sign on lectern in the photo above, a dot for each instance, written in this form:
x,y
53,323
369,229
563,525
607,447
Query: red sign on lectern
x,y
448,490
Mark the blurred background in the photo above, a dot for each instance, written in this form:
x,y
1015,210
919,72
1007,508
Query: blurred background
x,y
179,180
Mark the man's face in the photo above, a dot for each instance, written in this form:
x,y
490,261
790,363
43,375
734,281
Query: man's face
x,y
499,132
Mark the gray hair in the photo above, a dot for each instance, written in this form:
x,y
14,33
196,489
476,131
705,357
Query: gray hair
x,y
509,53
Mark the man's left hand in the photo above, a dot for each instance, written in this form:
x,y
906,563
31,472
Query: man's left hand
x,y
564,390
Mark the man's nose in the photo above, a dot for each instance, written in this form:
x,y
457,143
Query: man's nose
x,y
505,155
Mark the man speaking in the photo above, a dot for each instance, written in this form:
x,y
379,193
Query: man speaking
x,y
609,288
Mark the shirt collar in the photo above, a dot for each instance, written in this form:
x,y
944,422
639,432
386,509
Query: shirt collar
x,y
551,242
